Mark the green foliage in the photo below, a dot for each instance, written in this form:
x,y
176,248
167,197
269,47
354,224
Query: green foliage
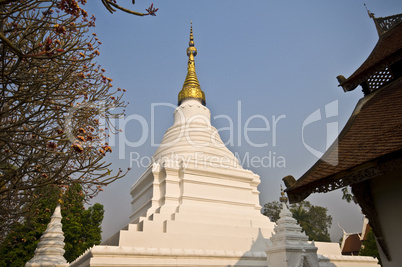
x,y
369,247
313,219
20,243
347,196
272,210
81,227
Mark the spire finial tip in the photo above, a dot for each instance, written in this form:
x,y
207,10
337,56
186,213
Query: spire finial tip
x,y
191,86
283,198
371,15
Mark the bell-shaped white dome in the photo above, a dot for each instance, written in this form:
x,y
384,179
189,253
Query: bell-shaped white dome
x,y
192,138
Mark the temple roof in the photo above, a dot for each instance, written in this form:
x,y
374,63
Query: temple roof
x,y
373,134
383,25
371,140
387,51
352,245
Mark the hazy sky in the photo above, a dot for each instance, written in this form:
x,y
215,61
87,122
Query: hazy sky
x,y
272,62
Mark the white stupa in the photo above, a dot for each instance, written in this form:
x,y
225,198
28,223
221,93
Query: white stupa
x,y
50,249
195,205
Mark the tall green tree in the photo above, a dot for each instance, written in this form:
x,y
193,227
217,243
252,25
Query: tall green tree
x,y
369,247
81,227
314,220
272,210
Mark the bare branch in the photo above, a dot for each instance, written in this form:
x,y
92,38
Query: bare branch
x,y
55,104
10,45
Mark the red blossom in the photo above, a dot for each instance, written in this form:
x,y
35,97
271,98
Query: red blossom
x,y
71,7
84,13
81,75
90,47
51,145
151,10
77,147
108,149
59,29
79,137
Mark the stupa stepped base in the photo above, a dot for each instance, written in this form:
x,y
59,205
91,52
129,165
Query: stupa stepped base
x,y
188,237
230,232
105,256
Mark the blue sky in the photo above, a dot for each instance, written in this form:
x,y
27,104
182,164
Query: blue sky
x,y
272,59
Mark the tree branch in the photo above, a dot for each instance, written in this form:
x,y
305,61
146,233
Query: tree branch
x,y
12,47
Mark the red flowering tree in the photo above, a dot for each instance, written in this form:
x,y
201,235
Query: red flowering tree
x,y
56,103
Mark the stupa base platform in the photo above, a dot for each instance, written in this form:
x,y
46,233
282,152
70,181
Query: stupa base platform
x,y
105,256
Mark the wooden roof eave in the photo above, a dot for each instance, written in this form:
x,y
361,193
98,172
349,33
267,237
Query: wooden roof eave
x,y
360,173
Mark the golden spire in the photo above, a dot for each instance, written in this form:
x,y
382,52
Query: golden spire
x,y
191,86
283,198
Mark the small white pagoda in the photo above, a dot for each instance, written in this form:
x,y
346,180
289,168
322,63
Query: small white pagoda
x,y
289,247
50,249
